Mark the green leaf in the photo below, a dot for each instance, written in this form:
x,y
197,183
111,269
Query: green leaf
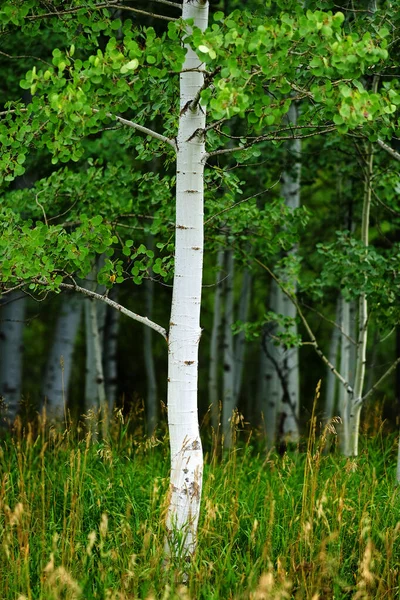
x,y
130,66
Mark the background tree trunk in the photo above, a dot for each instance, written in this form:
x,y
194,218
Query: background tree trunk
x,y
12,315
59,363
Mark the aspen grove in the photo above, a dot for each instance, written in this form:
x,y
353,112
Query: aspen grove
x,y
256,145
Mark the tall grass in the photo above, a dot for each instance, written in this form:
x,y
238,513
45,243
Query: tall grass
x,y
85,521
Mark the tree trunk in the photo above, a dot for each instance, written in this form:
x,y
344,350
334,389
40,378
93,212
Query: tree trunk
x,y
213,392
228,400
356,401
240,340
271,401
95,394
59,363
12,314
184,334
290,407
331,380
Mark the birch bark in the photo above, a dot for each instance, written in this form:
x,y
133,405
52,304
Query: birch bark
x,y
12,316
59,363
331,380
185,331
357,400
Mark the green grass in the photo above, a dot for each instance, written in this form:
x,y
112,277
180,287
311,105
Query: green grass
x,y
82,520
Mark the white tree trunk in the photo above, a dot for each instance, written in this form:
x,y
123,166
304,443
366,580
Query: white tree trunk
x,y
213,391
271,401
357,399
151,399
240,339
228,398
95,394
331,379
288,364
12,314
185,331
59,362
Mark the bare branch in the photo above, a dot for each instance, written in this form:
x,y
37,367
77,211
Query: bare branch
x,y
117,306
269,138
389,149
25,56
144,12
145,130
109,4
381,380
240,202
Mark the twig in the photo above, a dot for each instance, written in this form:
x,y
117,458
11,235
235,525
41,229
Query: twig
x,y
240,202
109,4
378,383
42,207
269,138
145,130
25,56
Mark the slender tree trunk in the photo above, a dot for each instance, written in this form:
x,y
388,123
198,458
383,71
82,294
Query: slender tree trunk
x,y
273,390
95,394
213,391
229,403
331,380
356,402
185,331
240,339
151,400
289,366
12,314
59,362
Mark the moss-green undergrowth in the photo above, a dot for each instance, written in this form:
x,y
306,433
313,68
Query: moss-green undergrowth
x,y
85,521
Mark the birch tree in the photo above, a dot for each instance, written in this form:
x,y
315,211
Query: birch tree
x,y
224,71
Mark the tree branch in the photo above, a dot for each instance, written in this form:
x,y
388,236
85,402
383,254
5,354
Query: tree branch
x,y
145,130
240,202
143,12
381,380
269,138
109,4
119,307
389,149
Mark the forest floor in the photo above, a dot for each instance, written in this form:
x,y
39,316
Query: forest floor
x,y
83,520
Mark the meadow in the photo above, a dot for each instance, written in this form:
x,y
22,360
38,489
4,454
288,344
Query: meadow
x,y
84,520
